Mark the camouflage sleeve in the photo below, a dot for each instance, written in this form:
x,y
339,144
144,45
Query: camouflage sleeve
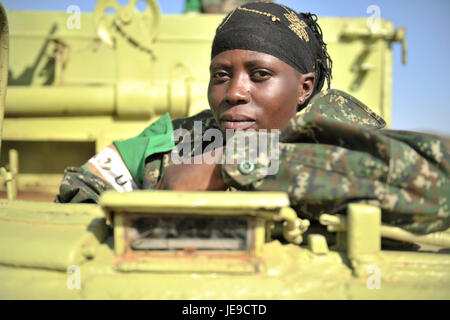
x,y
325,163
80,186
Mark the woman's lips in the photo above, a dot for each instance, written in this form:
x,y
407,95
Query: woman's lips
x,y
237,125
236,121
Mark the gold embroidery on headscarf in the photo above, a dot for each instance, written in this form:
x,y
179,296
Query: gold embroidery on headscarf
x,y
274,17
229,16
297,25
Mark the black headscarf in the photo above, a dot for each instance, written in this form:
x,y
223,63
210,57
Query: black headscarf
x,y
279,31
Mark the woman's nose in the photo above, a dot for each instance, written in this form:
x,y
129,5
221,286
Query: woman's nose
x,y
238,91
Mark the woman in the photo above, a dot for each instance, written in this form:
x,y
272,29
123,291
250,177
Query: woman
x,y
268,63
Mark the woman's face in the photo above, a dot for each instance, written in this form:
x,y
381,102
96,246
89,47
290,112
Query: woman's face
x,y
253,90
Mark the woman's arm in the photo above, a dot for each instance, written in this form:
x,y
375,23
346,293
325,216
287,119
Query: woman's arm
x,y
104,171
325,163
80,186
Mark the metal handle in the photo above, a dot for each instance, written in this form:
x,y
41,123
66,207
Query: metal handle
x,y
399,35
441,239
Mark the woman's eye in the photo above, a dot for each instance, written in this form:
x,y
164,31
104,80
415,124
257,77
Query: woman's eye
x,y
260,75
220,75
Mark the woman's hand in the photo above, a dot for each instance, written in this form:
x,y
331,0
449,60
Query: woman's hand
x,y
195,177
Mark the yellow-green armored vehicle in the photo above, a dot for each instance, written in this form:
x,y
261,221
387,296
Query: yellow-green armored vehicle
x,y
77,81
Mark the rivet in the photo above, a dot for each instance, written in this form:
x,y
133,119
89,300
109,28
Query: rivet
x,y
246,167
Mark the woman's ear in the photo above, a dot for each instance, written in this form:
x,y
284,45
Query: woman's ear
x,y
306,86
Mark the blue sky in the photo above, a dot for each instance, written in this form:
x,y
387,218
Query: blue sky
x,y
421,96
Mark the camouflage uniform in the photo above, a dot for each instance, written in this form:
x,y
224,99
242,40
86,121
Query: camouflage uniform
x,y
331,154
